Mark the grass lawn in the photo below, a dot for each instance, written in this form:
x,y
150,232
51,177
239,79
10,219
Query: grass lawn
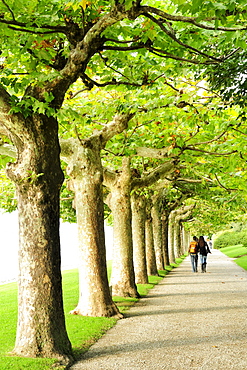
x,y
83,331
238,252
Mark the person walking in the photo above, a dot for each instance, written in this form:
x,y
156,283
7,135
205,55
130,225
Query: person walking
x,y
193,251
203,252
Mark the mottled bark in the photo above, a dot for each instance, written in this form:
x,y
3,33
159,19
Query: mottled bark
x,y
186,240
171,225
165,218
177,238
150,252
182,238
123,276
181,215
157,233
86,174
38,177
138,233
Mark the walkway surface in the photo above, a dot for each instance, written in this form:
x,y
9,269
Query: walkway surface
x,y
188,321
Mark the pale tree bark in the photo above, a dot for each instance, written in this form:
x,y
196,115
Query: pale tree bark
x,y
180,215
123,276
38,177
177,239
182,238
171,225
149,238
186,239
165,223
138,206
157,234
149,179
121,184
86,173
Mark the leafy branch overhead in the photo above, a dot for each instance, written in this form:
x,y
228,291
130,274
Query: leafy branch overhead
x,y
76,38
68,52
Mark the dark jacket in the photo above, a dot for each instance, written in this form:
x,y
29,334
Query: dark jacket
x,y
204,250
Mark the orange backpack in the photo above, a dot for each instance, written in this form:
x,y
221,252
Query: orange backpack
x,y
193,247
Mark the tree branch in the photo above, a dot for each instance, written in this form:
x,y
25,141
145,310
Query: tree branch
x,y
9,9
109,176
222,186
7,149
110,83
190,181
116,126
171,34
23,27
209,141
158,173
13,124
192,20
211,153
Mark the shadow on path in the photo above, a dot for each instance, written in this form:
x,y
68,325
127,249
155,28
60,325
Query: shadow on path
x,y
188,321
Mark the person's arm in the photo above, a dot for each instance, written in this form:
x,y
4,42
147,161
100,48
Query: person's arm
x,y
207,248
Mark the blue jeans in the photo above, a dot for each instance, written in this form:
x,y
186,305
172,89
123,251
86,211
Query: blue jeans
x,y
203,259
194,260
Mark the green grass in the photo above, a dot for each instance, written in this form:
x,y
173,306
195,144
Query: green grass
x,y
83,331
238,252
242,262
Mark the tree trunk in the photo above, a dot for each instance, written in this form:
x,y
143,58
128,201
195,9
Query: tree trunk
x,y
150,252
165,218
181,215
177,238
171,225
86,173
157,232
186,239
38,177
182,249
138,232
123,276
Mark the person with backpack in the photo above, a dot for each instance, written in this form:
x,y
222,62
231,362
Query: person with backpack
x,y
203,251
193,251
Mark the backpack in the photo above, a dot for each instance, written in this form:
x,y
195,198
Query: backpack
x,y
193,247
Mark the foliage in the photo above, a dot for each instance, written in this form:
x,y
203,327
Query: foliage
x,y
139,65
67,211
230,238
230,79
8,200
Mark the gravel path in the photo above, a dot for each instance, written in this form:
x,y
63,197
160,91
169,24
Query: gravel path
x,y
188,321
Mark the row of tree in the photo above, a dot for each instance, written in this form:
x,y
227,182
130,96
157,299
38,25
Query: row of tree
x,y
153,135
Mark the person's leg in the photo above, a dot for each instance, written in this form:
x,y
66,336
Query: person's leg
x,y
201,257
192,259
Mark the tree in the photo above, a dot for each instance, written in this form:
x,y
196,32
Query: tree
x,y
46,48
149,240
123,276
86,174
41,324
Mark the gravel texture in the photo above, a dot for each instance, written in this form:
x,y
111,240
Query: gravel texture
x,y
188,321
